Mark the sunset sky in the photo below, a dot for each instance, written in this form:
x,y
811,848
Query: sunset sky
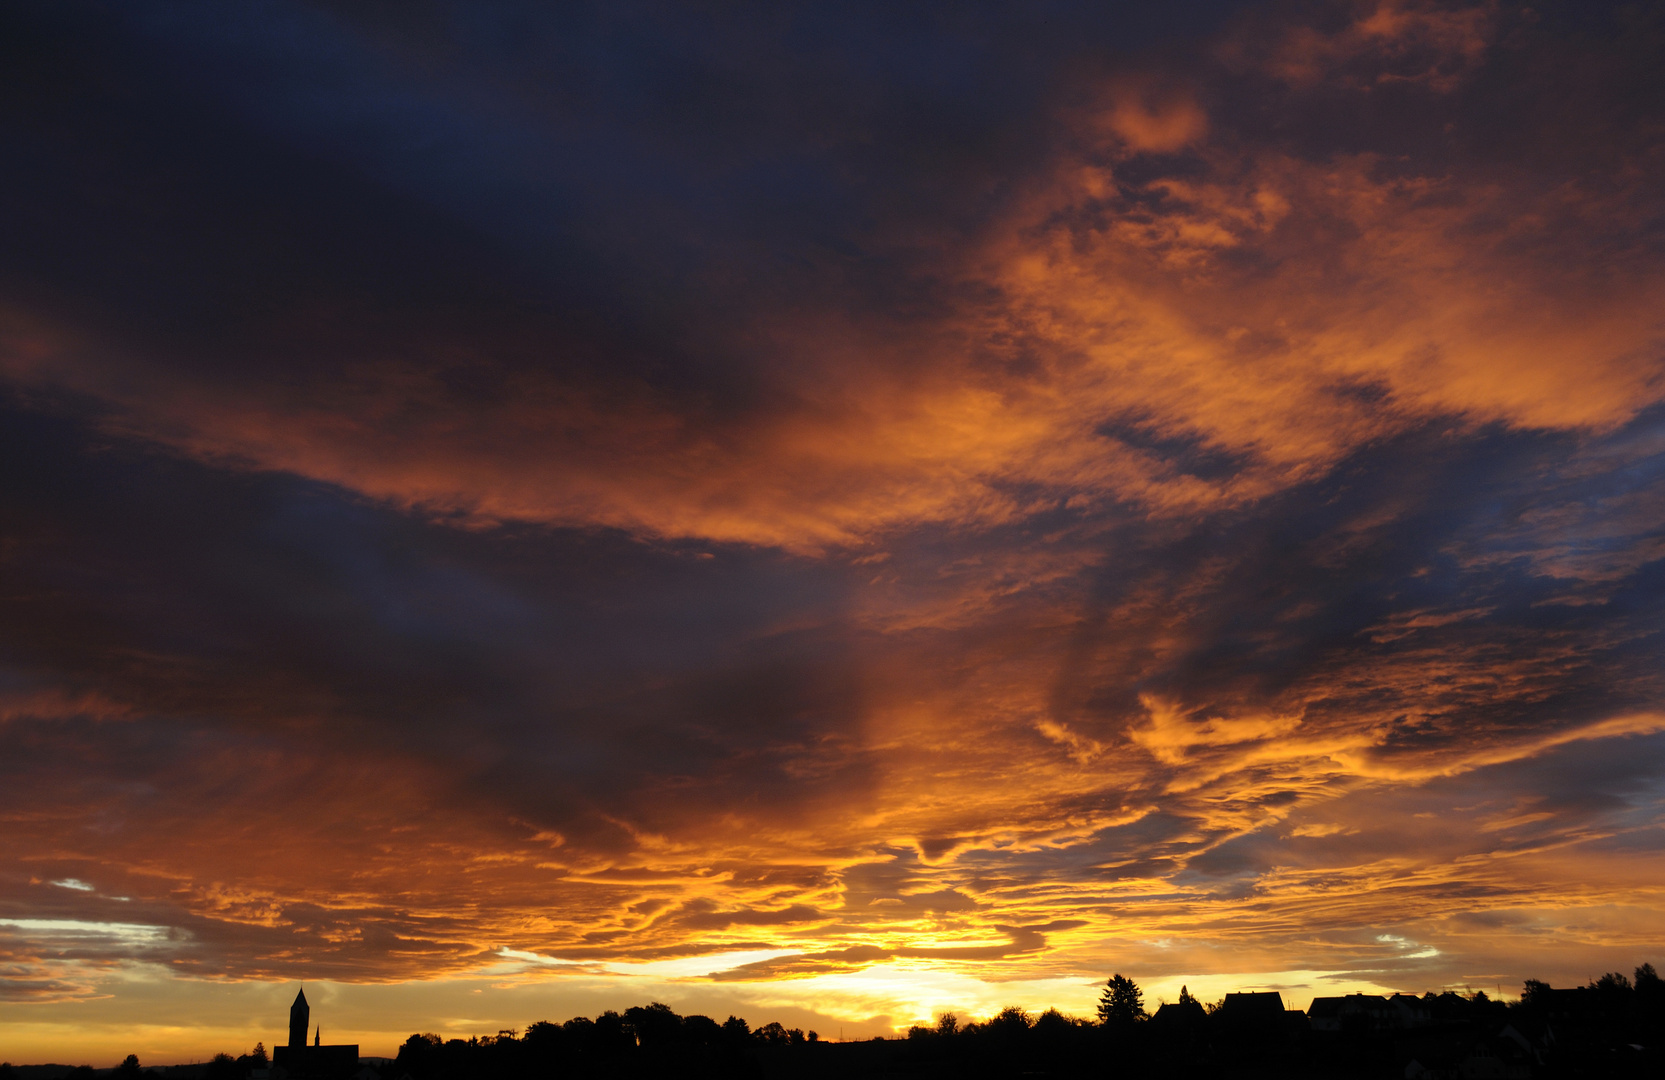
x,y
824,512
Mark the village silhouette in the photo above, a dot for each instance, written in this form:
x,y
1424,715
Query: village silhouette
x,y
1614,1026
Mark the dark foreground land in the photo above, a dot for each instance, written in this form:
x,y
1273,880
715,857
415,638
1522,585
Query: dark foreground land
x,y
1587,1032
1610,1028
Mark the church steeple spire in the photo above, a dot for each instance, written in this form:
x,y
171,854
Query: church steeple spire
x,y
299,1015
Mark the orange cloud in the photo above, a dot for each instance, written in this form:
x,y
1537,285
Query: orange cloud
x,y
1148,120
1383,42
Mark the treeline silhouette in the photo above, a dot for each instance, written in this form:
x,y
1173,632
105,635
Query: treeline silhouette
x,y
1612,1027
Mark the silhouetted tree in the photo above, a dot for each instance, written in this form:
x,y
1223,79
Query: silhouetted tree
x,y
418,1055
1650,1004
612,1038
543,1033
702,1032
654,1026
7,1072
1122,1002
1185,997
1052,1023
948,1024
1650,989
223,1067
129,1067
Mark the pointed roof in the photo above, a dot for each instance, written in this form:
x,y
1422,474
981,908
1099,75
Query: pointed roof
x,y
300,997
1253,1001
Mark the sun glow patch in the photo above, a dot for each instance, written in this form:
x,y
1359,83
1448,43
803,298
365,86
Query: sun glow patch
x,y
899,993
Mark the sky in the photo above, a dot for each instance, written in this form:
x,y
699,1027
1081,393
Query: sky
x,y
824,512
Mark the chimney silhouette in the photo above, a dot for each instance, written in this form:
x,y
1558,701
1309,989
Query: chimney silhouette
x,y
299,1015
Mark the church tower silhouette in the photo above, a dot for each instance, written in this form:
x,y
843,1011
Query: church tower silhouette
x,y
320,1061
299,1015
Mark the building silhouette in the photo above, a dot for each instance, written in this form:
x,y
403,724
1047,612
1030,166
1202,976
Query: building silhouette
x,y
298,1061
1251,1009
1360,1013
300,1015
